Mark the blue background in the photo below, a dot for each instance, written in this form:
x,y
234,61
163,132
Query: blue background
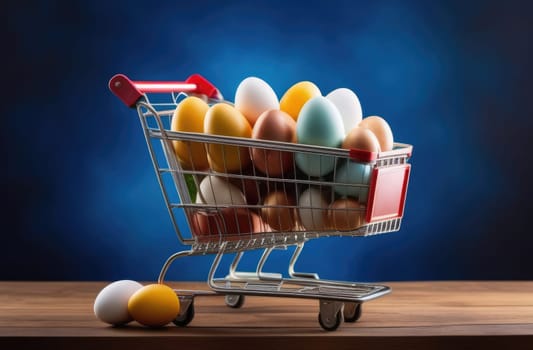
x,y
453,78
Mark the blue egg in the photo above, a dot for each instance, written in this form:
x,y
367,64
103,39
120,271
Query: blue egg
x,y
350,175
319,123
313,164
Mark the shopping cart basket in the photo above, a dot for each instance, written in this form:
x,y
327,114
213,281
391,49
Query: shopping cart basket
x,y
237,227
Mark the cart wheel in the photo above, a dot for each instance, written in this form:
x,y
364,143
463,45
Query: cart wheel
x,y
185,318
330,323
234,300
352,312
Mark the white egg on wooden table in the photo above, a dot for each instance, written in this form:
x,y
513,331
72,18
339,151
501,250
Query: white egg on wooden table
x,y
111,304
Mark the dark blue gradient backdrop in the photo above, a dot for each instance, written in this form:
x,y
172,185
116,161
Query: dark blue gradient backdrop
x,y
453,78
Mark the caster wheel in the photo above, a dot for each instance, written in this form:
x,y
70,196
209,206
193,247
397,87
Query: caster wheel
x,y
352,312
330,323
234,300
186,318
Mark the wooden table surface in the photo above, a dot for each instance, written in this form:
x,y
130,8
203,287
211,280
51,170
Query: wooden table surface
x,y
416,315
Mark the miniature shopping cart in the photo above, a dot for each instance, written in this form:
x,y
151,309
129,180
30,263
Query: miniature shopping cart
x,y
236,228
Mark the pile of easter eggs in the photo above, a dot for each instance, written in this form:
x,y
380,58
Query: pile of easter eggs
x,y
262,201
121,302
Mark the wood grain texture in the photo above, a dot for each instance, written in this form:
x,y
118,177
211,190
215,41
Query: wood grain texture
x,y
416,315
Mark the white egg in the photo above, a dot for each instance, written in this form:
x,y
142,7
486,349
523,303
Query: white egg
x,y
217,191
348,105
111,304
253,97
351,175
315,216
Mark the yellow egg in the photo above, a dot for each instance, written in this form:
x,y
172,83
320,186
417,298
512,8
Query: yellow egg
x,y
297,95
189,117
223,119
154,305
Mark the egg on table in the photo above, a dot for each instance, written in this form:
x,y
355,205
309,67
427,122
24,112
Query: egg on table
x,y
189,117
381,129
319,123
223,119
154,305
274,125
296,96
111,304
253,97
348,105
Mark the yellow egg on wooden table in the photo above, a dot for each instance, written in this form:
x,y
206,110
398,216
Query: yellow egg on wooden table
x,y
154,305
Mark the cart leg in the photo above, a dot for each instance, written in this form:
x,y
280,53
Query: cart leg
x,y
233,268
294,258
330,316
266,276
258,274
169,262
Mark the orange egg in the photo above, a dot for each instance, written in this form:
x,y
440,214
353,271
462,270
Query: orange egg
x,y
223,119
381,129
274,125
276,214
361,139
296,96
154,305
189,117
346,214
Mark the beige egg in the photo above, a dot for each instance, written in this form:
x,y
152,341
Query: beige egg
x,y
381,129
216,191
361,139
313,210
346,214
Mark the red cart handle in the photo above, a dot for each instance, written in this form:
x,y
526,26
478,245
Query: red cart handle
x,y
130,92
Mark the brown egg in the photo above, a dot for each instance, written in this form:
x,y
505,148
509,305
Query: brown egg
x,y
362,139
273,125
381,129
346,214
252,189
228,221
279,218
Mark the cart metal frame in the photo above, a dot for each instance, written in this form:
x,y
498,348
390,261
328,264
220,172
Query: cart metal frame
x,y
338,300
